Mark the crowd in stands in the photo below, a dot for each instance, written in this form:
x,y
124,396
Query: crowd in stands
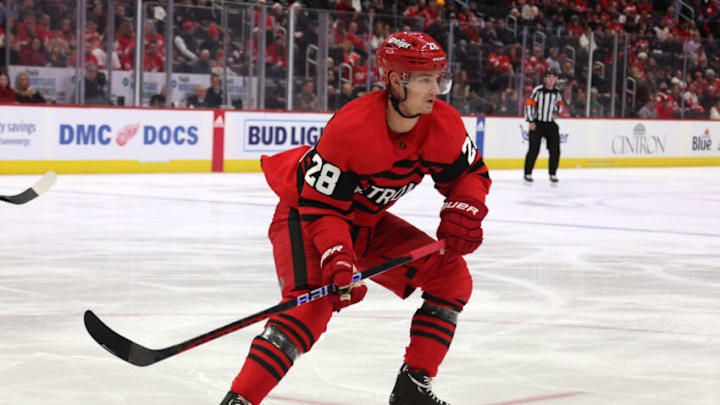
x,y
670,54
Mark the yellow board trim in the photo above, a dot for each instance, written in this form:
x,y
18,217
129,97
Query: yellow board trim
x,y
605,162
103,166
242,165
253,165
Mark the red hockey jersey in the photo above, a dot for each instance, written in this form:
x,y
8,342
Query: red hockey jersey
x,y
359,167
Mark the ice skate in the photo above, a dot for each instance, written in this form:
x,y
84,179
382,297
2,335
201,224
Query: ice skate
x,y
234,399
528,179
554,180
413,388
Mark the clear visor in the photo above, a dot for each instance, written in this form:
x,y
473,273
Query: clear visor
x,y
430,82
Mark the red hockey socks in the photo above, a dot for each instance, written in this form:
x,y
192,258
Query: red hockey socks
x,y
264,367
431,333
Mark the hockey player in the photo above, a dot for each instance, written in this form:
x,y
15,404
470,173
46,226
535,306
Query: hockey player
x,y
332,217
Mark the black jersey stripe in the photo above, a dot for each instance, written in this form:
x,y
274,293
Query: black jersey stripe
x,y
315,217
306,202
357,205
390,175
405,163
453,171
298,250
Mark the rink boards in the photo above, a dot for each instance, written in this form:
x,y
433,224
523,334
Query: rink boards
x,y
128,140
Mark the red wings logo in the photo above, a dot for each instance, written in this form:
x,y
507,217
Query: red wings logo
x,y
126,133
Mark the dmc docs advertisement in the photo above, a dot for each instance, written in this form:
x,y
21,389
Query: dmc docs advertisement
x,y
102,134
248,136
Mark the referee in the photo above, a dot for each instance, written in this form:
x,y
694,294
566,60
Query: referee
x,y
544,102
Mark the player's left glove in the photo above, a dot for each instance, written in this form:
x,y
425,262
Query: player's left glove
x,y
338,267
460,225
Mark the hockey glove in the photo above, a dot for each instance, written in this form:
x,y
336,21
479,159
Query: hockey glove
x,y
338,266
460,225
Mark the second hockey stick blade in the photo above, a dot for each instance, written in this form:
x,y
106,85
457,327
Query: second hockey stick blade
x,y
139,355
41,186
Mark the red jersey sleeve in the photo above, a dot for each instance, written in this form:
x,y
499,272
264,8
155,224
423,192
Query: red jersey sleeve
x,y
457,167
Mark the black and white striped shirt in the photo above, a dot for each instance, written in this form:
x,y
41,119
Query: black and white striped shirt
x,y
543,104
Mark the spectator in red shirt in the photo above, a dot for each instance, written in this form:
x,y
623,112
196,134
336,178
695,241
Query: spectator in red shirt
x,y
154,58
33,55
498,62
431,14
535,65
91,32
344,6
644,6
7,94
27,30
268,18
89,57
711,78
665,103
277,53
669,18
360,72
124,42
66,32
47,34
151,35
574,27
416,9
255,43
212,41
352,35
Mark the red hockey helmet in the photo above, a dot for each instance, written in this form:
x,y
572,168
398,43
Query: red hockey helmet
x,y
405,52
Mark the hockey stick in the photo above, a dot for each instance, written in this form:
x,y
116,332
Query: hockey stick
x,y
41,186
141,356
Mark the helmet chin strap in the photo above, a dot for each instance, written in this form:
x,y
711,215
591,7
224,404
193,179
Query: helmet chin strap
x,y
396,103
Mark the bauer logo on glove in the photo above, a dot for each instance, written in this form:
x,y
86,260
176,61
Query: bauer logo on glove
x,y
461,225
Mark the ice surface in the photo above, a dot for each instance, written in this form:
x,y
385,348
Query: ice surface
x,y
605,290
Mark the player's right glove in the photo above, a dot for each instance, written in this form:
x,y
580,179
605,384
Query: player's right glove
x,y
460,225
338,266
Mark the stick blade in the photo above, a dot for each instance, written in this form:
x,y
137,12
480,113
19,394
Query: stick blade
x,y
45,182
118,345
41,186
